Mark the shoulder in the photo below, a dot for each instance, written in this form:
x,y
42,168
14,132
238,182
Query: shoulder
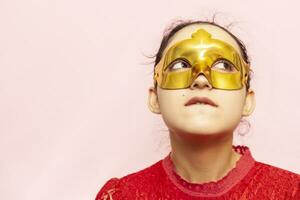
x,y
278,179
278,173
131,185
109,189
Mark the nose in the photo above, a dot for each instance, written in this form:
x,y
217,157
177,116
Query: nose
x,y
201,82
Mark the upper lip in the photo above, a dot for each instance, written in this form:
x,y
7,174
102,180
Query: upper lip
x,y
200,100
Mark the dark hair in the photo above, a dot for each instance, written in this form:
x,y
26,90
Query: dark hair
x,y
183,23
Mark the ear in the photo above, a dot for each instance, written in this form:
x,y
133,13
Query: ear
x,y
249,105
153,103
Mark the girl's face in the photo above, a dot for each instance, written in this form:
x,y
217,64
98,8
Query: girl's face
x,y
200,118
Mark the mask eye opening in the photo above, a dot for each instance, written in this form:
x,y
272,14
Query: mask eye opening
x,y
234,69
178,60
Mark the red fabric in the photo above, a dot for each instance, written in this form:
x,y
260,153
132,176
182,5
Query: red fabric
x,y
248,180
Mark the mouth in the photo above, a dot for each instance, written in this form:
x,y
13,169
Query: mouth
x,y
200,101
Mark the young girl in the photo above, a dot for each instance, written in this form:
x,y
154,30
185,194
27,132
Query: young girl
x,y
202,90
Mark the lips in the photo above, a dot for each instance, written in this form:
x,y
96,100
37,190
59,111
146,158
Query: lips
x,y
203,100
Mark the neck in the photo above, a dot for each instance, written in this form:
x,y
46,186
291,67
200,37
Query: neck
x,y
202,158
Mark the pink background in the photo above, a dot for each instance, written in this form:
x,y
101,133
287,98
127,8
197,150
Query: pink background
x,y
74,85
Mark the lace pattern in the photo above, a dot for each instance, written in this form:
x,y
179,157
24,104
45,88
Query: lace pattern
x,y
213,188
248,180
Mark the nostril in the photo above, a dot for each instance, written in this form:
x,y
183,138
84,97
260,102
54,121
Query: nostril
x,y
200,82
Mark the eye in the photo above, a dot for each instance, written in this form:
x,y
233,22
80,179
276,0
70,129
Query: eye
x,y
225,66
179,65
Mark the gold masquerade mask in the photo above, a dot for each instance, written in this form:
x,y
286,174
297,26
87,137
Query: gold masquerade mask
x,y
217,60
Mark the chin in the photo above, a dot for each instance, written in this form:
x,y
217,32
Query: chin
x,y
201,128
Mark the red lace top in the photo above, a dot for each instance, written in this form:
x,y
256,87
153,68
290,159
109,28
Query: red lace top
x,y
248,180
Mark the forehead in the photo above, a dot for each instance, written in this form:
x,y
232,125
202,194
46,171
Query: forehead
x,y
215,31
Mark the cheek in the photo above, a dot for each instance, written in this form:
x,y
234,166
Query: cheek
x,y
233,106
169,103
